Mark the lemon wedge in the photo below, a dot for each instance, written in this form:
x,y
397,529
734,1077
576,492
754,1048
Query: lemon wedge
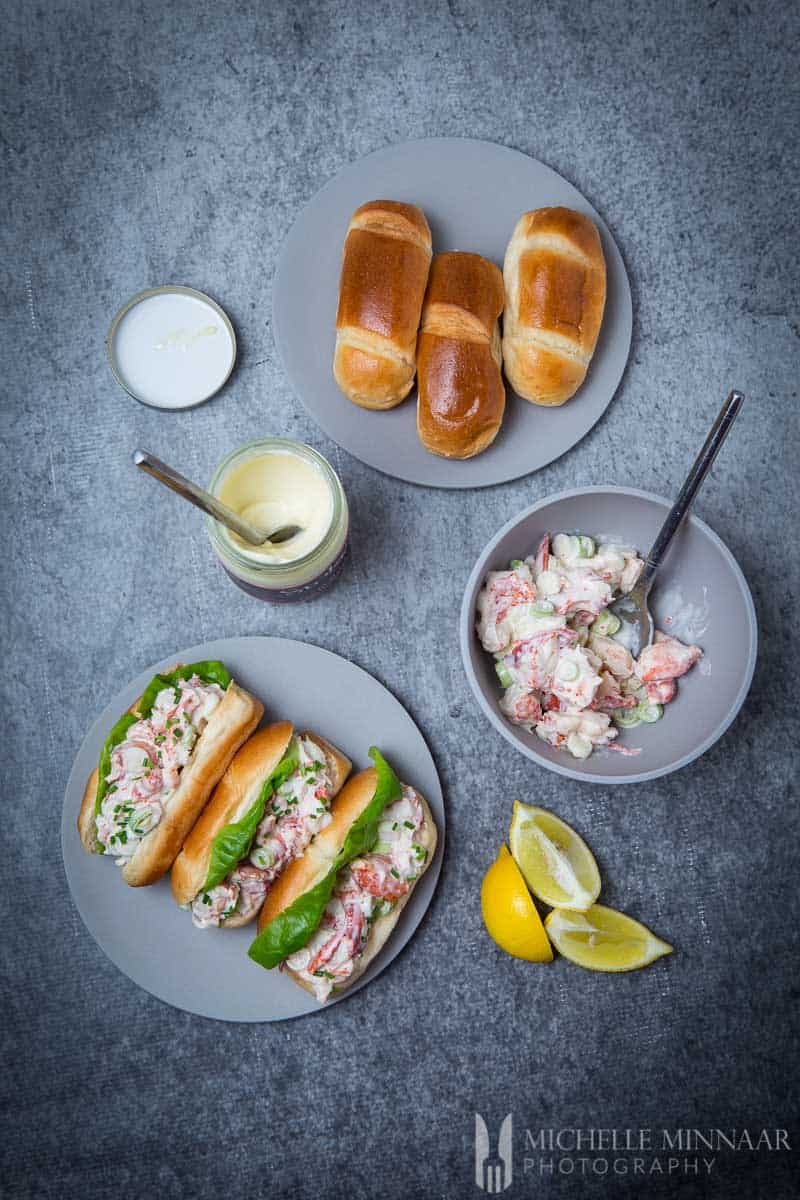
x,y
603,939
558,866
510,915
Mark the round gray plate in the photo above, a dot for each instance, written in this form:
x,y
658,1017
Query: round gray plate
x,y
700,595
473,193
143,931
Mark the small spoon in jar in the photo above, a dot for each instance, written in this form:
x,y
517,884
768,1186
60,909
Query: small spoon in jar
x,y
209,504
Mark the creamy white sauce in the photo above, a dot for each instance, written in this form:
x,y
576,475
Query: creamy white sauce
x,y
629,633
172,350
679,617
273,490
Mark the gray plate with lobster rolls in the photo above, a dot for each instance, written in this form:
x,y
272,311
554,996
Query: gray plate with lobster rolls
x,y
142,929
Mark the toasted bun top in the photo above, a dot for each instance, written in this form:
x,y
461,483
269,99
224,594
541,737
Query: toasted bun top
x,y
571,231
387,253
464,298
393,218
556,279
314,865
461,394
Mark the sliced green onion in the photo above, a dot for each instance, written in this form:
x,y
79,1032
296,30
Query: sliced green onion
x,y
516,563
141,822
606,624
650,712
262,857
586,546
503,674
382,847
568,671
543,608
626,718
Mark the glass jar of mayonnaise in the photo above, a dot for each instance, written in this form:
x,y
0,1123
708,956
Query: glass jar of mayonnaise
x,y
277,482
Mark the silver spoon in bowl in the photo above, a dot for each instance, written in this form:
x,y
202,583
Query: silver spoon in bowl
x,y
632,608
209,504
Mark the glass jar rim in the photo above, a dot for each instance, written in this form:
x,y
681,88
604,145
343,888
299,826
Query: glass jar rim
x,y
275,445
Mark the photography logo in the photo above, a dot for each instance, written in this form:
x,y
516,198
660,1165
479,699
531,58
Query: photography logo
x,y
493,1173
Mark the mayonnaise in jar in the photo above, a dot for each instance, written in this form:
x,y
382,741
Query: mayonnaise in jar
x,y
274,483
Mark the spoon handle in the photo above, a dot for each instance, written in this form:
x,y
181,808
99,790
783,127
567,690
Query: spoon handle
x,y
198,496
702,465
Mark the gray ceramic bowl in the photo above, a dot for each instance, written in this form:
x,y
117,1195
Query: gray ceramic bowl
x,y
700,595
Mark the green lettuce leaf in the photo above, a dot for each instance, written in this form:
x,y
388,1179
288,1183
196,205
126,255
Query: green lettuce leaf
x,y
210,671
291,929
233,841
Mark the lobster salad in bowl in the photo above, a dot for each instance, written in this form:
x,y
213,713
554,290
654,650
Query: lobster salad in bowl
x,y
559,655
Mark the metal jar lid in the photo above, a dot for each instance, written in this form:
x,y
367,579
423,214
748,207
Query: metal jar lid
x,y
171,347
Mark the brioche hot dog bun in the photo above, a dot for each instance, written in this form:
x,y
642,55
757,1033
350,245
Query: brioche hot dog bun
x,y
387,254
462,396
234,796
230,724
555,283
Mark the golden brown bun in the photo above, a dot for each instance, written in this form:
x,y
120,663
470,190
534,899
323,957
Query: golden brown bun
x,y
235,794
87,827
387,253
555,281
461,393
230,724
381,928
312,866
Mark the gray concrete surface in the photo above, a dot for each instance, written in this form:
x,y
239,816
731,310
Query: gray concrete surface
x,y
162,141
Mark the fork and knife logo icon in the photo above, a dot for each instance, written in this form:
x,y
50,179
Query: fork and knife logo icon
x,y
493,1173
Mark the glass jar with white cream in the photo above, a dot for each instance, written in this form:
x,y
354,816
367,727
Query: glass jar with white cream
x,y
273,483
